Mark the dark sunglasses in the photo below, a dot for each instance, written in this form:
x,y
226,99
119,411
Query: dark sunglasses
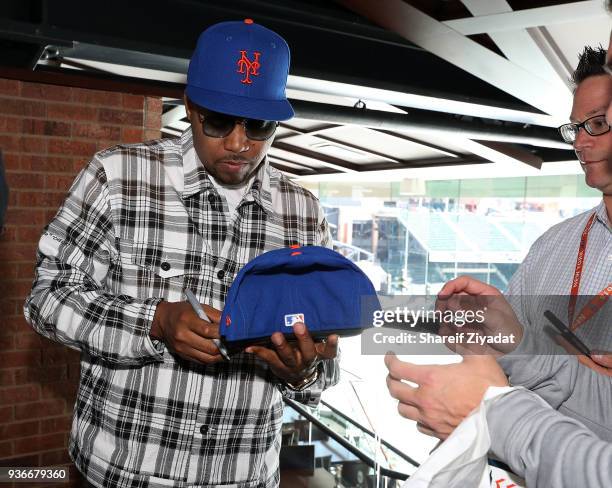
x,y
218,125
595,126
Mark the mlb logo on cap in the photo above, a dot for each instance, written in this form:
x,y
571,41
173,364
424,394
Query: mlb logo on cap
x,y
294,318
310,284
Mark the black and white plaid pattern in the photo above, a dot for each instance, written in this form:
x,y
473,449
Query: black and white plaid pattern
x,y
143,222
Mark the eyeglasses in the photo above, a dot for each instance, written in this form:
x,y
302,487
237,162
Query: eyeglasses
x,y
219,125
607,68
595,126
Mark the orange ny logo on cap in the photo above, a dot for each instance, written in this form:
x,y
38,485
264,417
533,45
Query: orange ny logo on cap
x,y
247,67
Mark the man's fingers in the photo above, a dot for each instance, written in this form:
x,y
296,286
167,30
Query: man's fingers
x,y
602,358
408,411
401,391
207,330
328,349
200,356
213,314
284,350
424,429
305,344
595,366
403,370
199,343
267,355
467,285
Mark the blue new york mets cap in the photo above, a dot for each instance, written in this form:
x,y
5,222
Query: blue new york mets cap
x,y
311,284
240,68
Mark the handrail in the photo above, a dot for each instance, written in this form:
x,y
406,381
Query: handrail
x,y
391,447
343,442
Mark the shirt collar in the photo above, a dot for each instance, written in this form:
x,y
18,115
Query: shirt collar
x,y
260,188
197,180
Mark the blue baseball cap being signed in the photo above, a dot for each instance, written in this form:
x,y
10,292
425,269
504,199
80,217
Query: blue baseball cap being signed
x,y
241,69
311,284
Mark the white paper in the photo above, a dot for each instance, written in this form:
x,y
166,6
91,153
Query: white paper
x,y
461,460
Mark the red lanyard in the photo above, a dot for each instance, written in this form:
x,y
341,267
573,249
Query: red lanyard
x,y
597,301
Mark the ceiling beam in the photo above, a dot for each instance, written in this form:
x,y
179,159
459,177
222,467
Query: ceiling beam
x,y
519,46
426,163
398,135
552,53
533,17
428,145
420,102
320,134
427,122
275,155
296,130
443,41
324,159
369,152
287,169
501,153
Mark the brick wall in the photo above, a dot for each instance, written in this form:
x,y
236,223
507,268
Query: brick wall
x,y
47,134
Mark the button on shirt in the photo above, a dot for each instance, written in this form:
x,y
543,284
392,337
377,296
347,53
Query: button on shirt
x,y
137,227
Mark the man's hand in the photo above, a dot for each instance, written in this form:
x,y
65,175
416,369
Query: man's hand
x,y
290,363
185,334
465,293
445,394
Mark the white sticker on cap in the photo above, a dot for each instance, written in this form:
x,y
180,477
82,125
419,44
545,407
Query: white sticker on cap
x,y
293,318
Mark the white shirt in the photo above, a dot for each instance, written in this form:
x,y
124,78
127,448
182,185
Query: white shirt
x,y
232,194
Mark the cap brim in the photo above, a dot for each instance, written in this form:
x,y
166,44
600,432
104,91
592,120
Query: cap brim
x,y
252,108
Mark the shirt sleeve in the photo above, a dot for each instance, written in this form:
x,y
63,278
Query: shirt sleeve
x,y
68,302
542,366
329,375
545,447
323,237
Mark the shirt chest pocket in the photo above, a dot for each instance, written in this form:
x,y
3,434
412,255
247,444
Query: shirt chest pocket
x,y
159,270
163,261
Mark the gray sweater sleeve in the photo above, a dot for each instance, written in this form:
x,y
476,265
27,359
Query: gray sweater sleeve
x,y
545,447
565,385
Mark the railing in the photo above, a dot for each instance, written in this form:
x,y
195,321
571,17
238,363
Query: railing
x,y
358,453
353,253
391,447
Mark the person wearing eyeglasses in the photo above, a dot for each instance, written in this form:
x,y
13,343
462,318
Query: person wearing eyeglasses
x,y
158,404
565,442
573,257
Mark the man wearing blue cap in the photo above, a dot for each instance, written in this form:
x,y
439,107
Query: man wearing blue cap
x,y
158,405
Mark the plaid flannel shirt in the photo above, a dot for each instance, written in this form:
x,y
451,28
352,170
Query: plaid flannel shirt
x,y
141,223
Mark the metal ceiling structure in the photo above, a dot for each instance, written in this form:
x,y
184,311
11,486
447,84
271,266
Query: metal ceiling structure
x,y
377,85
